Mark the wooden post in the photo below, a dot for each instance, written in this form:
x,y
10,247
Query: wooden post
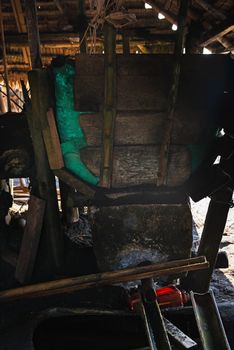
x,y
52,239
109,104
33,33
5,58
210,241
166,138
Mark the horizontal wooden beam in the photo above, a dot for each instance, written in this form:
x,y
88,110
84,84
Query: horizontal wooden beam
x,y
218,32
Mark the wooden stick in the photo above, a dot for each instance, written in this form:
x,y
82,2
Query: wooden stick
x,y
109,105
166,139
75,284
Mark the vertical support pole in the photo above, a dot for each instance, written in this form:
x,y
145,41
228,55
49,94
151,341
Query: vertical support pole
x,y
33,33
5,59
198,281
166,139
109,112
52,239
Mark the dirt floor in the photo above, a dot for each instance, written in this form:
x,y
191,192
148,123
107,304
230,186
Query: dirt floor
x,y
223,279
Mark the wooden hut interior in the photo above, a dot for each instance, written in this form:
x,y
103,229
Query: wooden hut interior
x,y
114,116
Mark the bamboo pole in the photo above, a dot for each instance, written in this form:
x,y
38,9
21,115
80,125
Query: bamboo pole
x,y
166,139
5,58
74,284
109,104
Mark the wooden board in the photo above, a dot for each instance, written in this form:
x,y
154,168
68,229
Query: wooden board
x,y
145,128
52,142
135,165
31,238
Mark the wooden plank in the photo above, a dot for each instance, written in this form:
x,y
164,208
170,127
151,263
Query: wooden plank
x,y
148,79
52,239
136,165
31,238
145,128
52,142
69,285
74,182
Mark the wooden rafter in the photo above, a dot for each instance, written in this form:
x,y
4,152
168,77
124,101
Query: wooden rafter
x,y
211,9
218,32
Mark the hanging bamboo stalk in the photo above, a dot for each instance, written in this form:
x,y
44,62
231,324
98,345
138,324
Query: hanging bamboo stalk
x,y
5,58
109,104
166,139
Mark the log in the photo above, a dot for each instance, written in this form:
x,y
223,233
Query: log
x,y
70,285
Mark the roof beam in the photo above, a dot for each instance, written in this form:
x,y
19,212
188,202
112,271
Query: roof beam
x,y
211,9
218,32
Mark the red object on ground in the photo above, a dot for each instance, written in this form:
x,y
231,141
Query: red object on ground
x,y
169,296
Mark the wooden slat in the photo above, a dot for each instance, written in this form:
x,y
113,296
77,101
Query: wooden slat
x,y
52,142
135,165
31,238
145,128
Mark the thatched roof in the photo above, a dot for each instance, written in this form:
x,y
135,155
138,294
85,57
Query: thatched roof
x,y
210,25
